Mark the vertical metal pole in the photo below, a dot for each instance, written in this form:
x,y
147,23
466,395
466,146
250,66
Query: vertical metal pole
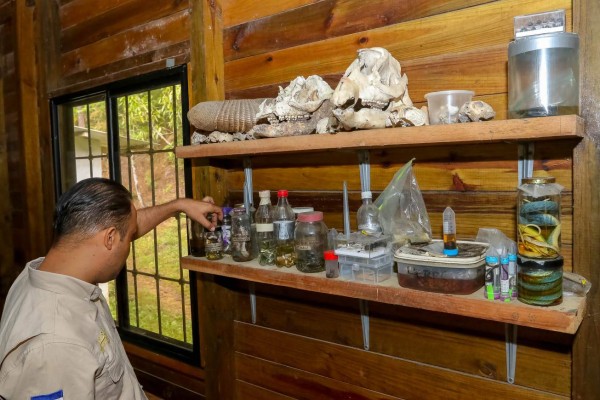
x,y
510,332
364,321
525,167
252,290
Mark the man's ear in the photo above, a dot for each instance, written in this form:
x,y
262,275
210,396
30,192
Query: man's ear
x,y
110,237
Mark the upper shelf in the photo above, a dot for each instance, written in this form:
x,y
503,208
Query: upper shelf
x,y
511,130
564,318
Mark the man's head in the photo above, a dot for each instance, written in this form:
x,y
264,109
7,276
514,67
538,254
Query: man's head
x,y
90,206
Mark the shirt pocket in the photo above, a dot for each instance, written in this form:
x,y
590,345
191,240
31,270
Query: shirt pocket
x,y
109,384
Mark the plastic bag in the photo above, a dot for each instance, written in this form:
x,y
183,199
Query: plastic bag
x,y
402,211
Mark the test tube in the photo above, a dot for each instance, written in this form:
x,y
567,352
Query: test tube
x,y
504,277
450,247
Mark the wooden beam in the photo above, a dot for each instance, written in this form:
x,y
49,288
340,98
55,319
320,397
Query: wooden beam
x,y
6,244
586,207
30,130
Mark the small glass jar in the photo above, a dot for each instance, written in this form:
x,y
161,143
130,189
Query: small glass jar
x,y
213,244
332,266
539,282
241,241
310,241
195,238
538,218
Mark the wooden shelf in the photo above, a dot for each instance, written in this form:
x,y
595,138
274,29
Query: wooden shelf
x,y
512,130
564,318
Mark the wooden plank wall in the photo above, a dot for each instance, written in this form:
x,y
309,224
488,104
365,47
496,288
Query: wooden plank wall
x,y
12,211
104,41
305,345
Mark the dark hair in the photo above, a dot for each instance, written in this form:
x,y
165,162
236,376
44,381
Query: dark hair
x,y
90,206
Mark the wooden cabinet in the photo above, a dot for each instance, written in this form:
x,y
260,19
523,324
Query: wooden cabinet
x,y
229,280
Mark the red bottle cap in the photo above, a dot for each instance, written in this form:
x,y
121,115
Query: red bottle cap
x,y
310,216
282,193
330,255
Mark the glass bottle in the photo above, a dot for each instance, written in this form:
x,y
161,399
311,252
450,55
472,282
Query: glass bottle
x,y
310,242
264,229
241,244
226,230
213,244
195,238
538,218
283,224
368,216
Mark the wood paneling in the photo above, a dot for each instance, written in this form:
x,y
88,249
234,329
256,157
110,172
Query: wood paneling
x,y
146,38
458,31
117,20
586,176
239,11
327,19
461,344
304,368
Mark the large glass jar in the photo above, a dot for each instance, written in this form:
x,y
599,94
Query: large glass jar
x,y
310,241
241,242
539,282
538,218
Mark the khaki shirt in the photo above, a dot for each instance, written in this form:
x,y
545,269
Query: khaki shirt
x,y
57,335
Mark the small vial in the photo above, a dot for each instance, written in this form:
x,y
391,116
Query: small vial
x,y
492,275
504,277
450,247
332,267
512,270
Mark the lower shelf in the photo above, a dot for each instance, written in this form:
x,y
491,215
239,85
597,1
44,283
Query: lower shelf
x,y
564,318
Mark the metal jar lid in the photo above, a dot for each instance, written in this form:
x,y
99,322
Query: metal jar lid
x,y
544,41
540,180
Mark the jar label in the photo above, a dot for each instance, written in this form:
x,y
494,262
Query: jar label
x,y
240,238
284,230
264,227
213,247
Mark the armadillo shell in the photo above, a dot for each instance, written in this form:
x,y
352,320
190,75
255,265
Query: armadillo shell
x,y
225,116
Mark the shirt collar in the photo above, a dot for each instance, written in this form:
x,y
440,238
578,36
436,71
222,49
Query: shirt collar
x,y
61,284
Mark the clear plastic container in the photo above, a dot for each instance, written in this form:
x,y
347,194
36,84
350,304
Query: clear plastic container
x,y
538,218
264,229
372,267
543,75
443,106
310,241
461,274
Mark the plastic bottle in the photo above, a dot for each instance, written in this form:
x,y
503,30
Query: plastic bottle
x,y
504,277
492,275
512,269
284,224
450,247
368,216
264,229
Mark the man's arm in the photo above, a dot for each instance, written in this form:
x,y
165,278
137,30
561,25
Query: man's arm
x,y
148,218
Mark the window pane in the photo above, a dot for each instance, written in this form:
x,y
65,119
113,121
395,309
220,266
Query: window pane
x,y
171,310
147,303
163,118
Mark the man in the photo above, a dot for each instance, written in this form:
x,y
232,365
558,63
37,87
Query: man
x,y
57,336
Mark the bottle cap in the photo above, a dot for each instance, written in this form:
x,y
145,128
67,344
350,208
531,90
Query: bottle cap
x,y
310,216
366,195
451,252
282,193
330,255
226,210
264,194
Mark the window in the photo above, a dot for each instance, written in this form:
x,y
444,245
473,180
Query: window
x,y
128,131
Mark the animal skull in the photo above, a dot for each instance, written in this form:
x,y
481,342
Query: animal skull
x,y
371,86
474,111
297,101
